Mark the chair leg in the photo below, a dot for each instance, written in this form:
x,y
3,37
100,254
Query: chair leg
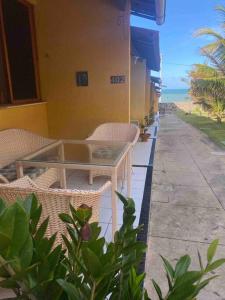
x,y
90,178
123,183
124,171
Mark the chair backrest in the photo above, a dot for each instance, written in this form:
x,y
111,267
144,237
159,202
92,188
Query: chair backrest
x,y
123,132
16,143
52,205
53,201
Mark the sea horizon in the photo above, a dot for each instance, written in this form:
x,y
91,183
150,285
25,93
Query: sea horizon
x,y
175,95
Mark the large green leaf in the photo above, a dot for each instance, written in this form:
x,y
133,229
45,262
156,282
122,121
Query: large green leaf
x,y
66,218
182,266
41,230
182,293
70,289
2,205
26,253
4,241
216,264
14,226
212,250
187,279
30,204
158,290
92,262
168,267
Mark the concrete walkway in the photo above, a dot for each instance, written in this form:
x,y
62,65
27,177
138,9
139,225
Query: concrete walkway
x,y
188,202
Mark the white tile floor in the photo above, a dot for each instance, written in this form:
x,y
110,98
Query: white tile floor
x,y
79,180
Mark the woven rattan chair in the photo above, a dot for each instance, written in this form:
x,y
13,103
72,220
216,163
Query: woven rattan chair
x,y
53,201
112,132
16,143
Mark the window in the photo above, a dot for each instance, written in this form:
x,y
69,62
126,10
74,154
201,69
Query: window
x,y
18,56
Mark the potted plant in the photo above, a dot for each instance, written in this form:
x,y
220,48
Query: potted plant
x,y
142,128
147,120
144,136
151,118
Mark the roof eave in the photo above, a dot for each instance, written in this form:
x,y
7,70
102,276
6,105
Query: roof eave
x,y
158,15
160,11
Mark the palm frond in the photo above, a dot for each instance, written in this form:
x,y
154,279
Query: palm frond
x,y
221,10
210,89
208,80
208,32
201,71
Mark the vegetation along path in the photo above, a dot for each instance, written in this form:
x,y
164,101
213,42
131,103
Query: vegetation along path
x,y
188,201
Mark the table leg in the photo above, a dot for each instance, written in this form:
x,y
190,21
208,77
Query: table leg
x,y
19,170
129,170
63,170
114,202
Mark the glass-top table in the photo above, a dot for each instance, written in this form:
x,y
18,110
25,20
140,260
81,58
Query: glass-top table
x,y
96,156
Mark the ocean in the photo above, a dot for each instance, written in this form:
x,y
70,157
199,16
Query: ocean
x,y
175,95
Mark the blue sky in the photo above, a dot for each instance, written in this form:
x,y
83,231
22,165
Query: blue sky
x,y
178,46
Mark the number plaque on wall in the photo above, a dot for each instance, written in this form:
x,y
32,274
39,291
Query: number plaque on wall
x,y
118,79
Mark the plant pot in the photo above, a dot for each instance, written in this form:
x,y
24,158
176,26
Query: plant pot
x,y
144,137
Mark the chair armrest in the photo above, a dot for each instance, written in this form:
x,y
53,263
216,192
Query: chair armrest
x,y
3,179
70,192
48,178
24,182
106,186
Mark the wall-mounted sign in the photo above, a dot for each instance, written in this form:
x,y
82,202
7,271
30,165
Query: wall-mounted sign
x,y
118,79
82,78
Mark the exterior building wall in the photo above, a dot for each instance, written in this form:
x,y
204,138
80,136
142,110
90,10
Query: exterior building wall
x,y
138,89
32,117
92,36
156,102
152,97
147,95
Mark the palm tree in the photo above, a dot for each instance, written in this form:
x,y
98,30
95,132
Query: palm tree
x,y
208,80
215,51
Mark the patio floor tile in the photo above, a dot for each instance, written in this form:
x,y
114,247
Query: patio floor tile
x,y
196,196
187,223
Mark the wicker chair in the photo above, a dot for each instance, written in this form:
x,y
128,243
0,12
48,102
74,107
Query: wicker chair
x,y
53,201
16,143
113,132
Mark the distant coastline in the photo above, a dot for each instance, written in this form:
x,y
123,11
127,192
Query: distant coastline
x,y
175,95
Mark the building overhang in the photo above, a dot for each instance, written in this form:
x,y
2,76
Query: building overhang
x,y
155,79
149,9
145,44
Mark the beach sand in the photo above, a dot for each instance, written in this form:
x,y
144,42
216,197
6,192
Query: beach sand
x,y
170,106
186,106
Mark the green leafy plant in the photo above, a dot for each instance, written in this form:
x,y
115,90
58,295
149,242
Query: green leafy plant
x,y
89,268
85,267
108,271
207,81
185,284
29,262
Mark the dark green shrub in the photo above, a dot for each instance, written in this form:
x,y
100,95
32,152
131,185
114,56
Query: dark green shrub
x,y
86,267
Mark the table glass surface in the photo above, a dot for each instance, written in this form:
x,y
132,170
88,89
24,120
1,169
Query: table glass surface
x,y
80,152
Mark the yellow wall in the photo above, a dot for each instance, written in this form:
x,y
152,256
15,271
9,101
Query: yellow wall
x,y
138,89
156,104
78,35
32,117
147,95
152,97
155,100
